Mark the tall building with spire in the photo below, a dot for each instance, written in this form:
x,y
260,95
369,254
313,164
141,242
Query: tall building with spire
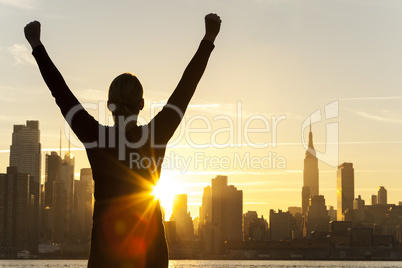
x,y
310,174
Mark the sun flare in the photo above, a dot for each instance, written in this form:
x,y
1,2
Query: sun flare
x,y
165,190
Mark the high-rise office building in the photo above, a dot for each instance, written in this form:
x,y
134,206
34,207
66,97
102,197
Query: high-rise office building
x,y
16,208
247,218
52,173
206,208
67,177
317,217
226,211
345,188
310,174
227,208
3,206
382,195
373,199
305,199
180,215
219,184
83,205
25,150
280,225
359,207
332,213
59,215
234,213
258,229
25,155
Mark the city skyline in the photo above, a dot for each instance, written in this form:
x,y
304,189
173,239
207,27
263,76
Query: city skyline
x,y
66,206
168,196
278,59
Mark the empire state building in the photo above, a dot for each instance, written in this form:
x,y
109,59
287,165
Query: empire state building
x,y
310,174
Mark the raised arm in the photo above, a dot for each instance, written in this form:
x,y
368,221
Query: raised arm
x,y
166,122
195,69
83,125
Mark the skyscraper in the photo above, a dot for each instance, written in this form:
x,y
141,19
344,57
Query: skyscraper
x,y
382,195
234,214
180,215
225,205
310,174
280,225
3,206
83,204
16,208
359,207
345,188
317,218
373,199
247,218
25,155
25,150
67,177
52,173
206,208
305,199
227,208
59,215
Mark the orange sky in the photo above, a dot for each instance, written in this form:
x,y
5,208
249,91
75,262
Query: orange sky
x,y
278,59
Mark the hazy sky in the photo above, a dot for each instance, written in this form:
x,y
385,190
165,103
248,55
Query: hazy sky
x,y
281,59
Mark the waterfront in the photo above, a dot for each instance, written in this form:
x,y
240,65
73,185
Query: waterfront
x,y
213,263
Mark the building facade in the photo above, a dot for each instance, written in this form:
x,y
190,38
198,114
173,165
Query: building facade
x,y
25,155
345,190
310,174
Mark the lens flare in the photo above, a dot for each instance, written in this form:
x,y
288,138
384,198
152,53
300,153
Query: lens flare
x,y
165,191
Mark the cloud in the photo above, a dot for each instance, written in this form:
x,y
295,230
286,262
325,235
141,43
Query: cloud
x,y
7,118
92,94
22,54
372,98
386,117
57,16
204,105
22,4
156,104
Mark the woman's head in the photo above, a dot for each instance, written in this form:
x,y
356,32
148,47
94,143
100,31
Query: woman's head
x,y
125,95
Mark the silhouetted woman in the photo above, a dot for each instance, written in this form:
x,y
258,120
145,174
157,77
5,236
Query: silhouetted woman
x,y
126,159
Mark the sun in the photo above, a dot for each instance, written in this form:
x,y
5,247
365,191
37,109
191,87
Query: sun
x,y
165,190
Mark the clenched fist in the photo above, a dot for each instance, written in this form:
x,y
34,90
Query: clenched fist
x,y
212,26
32,33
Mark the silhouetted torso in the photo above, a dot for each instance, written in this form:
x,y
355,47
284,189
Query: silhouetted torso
x,y
127,222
